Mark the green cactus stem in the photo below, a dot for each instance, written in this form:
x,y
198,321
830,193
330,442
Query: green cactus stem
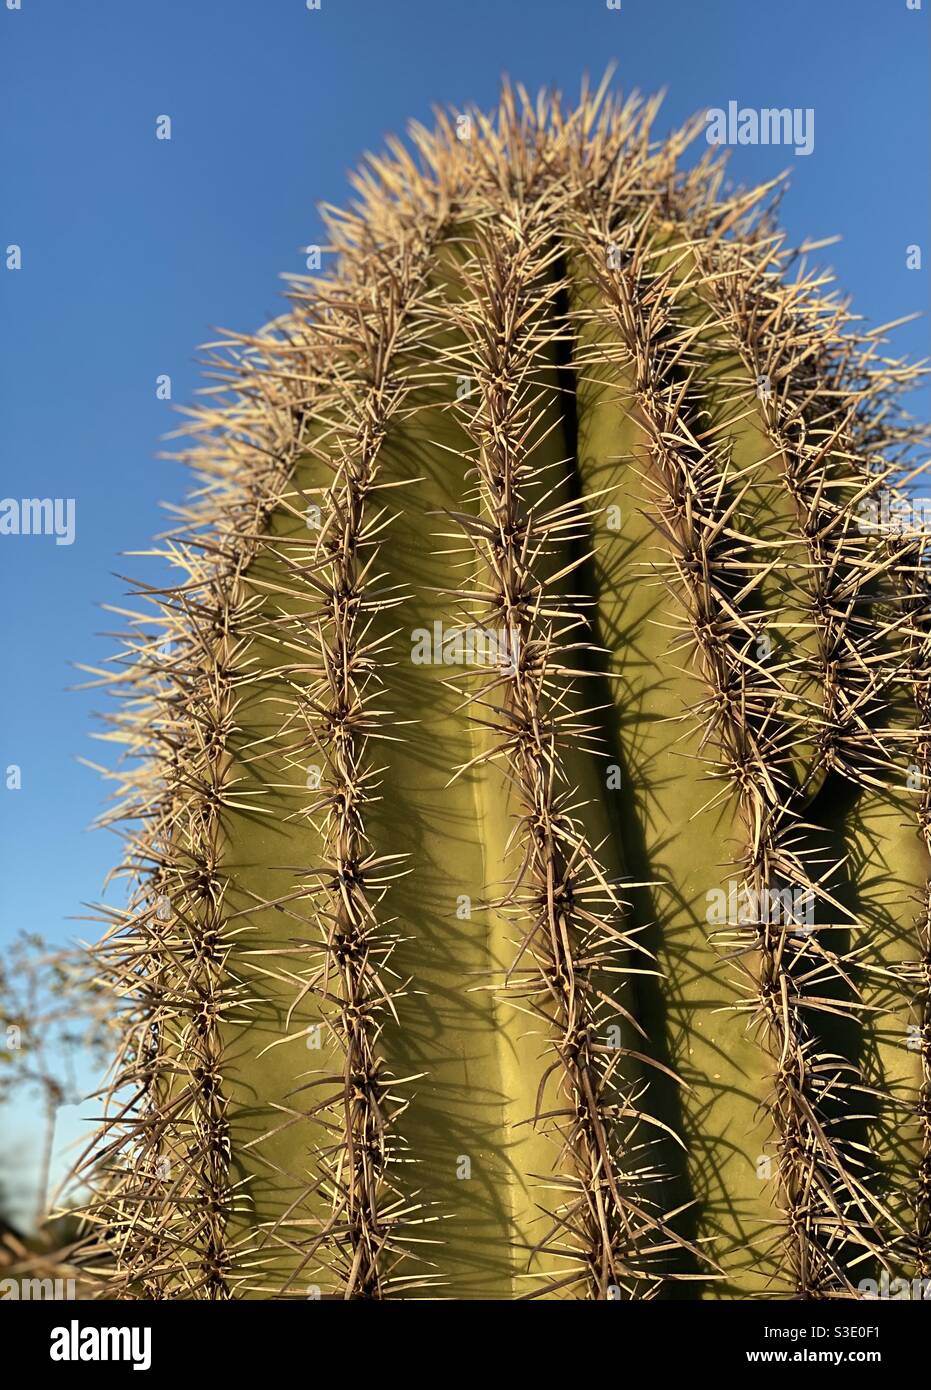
x,y
525,782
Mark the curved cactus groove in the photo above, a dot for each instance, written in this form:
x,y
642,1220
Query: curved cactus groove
x,y
525,782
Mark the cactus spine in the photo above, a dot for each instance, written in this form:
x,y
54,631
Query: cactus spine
x,y
426,992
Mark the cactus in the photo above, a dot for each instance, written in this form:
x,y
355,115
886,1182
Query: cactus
x,y
525,782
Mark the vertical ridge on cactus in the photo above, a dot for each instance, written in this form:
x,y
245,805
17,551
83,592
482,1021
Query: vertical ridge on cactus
x,y
525,784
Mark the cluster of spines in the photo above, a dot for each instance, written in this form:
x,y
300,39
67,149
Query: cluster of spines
x,y
603,1237
316,383
360,1240
749,716
160,1167
171,1242
830,412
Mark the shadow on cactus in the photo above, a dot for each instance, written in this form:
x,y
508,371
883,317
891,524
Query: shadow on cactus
x,y
525,783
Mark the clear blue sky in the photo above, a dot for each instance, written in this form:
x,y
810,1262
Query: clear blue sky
x,y
134,250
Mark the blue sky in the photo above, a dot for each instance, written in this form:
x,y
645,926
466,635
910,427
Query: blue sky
x,y
134,250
